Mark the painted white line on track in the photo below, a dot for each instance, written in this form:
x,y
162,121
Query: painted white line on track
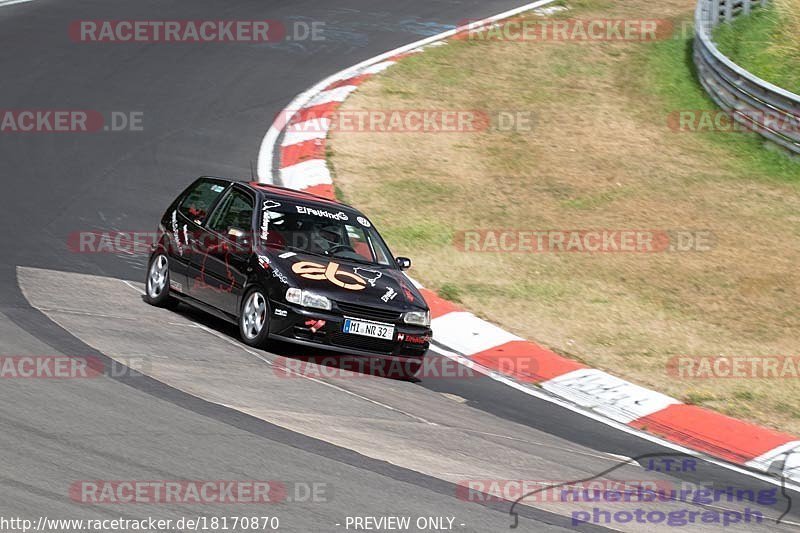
x,y
4,3
132,286
266,152
315,380
83,313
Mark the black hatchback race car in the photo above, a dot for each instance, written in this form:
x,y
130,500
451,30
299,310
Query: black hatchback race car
x,y
287,265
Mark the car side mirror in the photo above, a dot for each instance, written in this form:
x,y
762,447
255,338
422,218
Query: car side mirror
x,y
404,263
238,236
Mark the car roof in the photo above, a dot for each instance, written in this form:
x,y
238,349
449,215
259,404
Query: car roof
x,y
275,191
293,194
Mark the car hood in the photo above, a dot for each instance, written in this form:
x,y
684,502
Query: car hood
x,y
348,281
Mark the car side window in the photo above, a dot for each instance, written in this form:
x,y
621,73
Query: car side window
x,y
200,199
381,257
234,211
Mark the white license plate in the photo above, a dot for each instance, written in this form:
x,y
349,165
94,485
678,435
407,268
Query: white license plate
x,y
368,329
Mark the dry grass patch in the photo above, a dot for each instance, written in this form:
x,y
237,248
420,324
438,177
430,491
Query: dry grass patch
x,y
600,156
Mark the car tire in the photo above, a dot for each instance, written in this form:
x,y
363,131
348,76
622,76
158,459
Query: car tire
x,y
157,283
254,318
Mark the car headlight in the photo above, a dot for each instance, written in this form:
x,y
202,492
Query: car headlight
x,y
307,299
418,318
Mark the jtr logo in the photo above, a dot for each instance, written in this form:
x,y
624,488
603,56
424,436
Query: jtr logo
x,y
309,270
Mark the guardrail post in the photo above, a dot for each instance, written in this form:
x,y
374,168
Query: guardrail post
x,y
728,10
746,5
714,12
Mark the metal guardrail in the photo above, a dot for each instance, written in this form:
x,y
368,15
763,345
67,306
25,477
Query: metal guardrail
x,y
754,103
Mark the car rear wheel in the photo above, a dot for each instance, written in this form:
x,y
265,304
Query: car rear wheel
x,y
254,319
157,285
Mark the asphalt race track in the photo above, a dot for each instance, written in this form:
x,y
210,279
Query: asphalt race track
x,y
203,407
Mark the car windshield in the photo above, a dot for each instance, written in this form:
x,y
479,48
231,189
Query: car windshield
x,y
322,231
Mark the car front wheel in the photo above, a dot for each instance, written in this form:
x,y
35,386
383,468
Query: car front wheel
x,y
157,285
254,318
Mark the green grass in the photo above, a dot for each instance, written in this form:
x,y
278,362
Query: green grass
x,y
793,411
419,233
744,395
759,44
666,68
698,398
521,290
451,292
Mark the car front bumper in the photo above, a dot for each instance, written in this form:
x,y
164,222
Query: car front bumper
x,y
324,329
